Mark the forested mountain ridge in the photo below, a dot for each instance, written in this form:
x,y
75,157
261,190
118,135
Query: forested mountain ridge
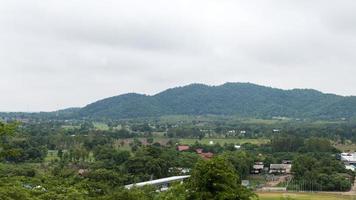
x,y
240,99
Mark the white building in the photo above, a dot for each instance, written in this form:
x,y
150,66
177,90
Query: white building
x,y
348,158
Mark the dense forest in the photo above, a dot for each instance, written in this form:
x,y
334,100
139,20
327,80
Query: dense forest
x,y
240,99
230,99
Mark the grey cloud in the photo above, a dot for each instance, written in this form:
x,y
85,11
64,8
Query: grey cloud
x,y
57,54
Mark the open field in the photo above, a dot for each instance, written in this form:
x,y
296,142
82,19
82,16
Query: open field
x,y
52,154
70,127
97,126
304,196
263,121
223,141
346,147
101,126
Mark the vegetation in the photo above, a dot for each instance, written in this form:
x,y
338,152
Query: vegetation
x,y
86,159
321,172
303,196
230,99
241,99
216,179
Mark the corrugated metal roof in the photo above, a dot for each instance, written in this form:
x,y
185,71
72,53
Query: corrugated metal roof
x,y
280,166
157,182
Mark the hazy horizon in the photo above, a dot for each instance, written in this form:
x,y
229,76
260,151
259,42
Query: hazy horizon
x,y
60,54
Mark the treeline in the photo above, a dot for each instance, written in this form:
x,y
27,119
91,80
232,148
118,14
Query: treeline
x,y
321,172
104,179
293,143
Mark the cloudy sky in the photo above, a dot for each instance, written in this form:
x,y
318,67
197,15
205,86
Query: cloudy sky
x,y
65,53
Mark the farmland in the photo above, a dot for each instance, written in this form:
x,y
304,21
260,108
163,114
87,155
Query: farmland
x,y
304,196
222,141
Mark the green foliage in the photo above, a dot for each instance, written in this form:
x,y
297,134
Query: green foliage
x,y
321,171
241,161
7,128
14,193
318,145
242,99
294,143
286,143
87,163
147,193
214,180
176,192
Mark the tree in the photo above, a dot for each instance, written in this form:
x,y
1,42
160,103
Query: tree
x,y
176,192
318,145
323,172
7,129
145,193
286,143
11,193
241,161
214,180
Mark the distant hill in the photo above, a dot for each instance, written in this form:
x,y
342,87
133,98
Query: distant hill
x,y
239,99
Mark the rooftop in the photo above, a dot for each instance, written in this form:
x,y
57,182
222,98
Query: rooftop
x,y
157,182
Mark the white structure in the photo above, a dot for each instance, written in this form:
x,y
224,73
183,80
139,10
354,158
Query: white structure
x,y
350,167
348,158
280,168
159,182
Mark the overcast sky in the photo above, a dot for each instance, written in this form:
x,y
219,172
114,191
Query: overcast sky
x,y
66,53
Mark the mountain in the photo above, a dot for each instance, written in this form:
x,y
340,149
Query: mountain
x,y
240,99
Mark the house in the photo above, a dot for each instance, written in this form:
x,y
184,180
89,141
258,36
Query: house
x,y
199,151
348,158
183,148
286,162
257,168
280,168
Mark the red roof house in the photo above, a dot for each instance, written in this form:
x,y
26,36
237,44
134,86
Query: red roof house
x,y
183,148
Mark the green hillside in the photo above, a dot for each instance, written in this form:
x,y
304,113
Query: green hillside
x,y
239,99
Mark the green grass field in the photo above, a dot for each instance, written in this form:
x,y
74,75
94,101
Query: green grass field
x,y
304,196
70,127
101,126
263,121
222,141
97,126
